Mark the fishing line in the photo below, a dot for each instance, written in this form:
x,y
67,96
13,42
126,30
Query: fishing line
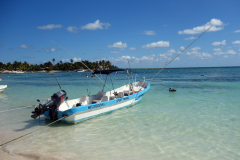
x,y
37,129
81,62
31,132
15,109
180,53
57,81
131,70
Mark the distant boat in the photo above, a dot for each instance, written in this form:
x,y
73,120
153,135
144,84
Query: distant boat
x,y
2,87
81,70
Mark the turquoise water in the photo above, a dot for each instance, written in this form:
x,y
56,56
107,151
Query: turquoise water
x,y
199,121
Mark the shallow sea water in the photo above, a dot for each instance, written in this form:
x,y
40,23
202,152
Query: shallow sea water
x,y
199,121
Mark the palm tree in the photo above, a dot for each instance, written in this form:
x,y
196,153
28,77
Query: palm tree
x,y
53,60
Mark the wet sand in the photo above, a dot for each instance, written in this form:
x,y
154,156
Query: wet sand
x,y
5,156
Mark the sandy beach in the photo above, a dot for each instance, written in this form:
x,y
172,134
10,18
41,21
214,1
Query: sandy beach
x,y
6,156
19,72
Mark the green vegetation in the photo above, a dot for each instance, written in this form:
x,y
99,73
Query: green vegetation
x,y
67,66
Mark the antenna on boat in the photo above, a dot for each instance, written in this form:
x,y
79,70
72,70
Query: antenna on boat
x,y
180,53
82,63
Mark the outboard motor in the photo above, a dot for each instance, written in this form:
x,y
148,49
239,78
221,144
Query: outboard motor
x,y
56,100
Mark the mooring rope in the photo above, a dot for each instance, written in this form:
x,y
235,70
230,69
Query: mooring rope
x,y
15,109
168,63
32,131
180,53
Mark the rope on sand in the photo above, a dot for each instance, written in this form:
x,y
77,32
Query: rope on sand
x,y
15,109
32,131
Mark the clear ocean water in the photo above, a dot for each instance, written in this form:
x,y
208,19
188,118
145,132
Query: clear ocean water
x,y
199,121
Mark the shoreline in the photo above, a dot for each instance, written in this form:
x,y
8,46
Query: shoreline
x,y
41,71
86,70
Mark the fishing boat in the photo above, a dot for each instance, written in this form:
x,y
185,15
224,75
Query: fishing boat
x,y
86,107
81,70
2,87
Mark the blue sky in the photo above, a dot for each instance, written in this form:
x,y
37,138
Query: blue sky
x,y
147,33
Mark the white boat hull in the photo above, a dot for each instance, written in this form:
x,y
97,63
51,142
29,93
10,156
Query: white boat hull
x,y
2,87
107,109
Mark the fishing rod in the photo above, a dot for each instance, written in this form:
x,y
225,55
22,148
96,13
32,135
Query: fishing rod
x,y
131,70
180,53
57,81
82,63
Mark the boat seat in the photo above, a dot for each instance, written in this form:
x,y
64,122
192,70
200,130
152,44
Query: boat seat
x,y
82,98
139,83
145,84
120,94
82,101
105,98
99,95
90,99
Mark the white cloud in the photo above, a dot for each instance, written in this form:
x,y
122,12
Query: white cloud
x,y
226,56
125,59
237,31
147,58
171,51
65,60
150,33
217,25
96,25
72,29
195,54
219,43
190,38
196,48
77,59
132,48
182,48
236,42
165,56
231,52
23,46
115,52
50,26
156,44
50,49
118,45
218,51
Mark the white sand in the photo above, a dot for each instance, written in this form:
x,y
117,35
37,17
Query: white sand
x,y
5,156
